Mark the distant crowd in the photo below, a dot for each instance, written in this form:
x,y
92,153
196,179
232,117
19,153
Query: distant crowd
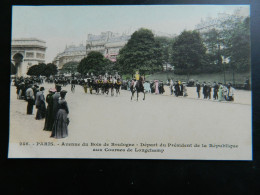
x,y
216,91
56,113
220,91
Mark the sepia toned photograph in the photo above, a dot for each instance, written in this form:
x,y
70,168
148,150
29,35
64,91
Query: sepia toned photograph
x,y
131,82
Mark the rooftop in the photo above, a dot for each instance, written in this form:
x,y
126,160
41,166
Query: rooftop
x,y
28,39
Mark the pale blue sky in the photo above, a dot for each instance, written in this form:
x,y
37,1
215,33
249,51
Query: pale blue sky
x,y
61,25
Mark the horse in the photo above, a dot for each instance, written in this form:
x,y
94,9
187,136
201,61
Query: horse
x,y
98,86
117,87
106,87
139,87
112,88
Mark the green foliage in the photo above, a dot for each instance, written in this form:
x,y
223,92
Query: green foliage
x,y
70,67
188,53
50,69
142,52
36,70
214,44
240,47
94,63
43,70
166,48
231,40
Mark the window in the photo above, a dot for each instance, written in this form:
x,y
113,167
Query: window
x,y
29,54
40,55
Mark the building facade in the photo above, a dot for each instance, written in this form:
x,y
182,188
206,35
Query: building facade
x,y
71,53
26,52
107,43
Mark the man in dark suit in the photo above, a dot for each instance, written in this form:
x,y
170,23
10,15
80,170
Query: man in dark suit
x,y
177,89
198,89
205,90
215,91
209,90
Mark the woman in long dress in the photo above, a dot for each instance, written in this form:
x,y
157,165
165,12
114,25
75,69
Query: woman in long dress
x,y
85,87
220,93
40,104
60,126
185,94
156,87
49,112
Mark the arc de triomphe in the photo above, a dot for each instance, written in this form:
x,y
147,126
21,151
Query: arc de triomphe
x,y
27,52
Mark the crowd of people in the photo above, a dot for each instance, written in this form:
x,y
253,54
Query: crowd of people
x,y
56,112
102,84
216,91
178,88
54,109
153,87
220,91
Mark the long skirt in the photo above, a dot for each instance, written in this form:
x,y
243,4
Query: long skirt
x,y
156,88
30,106
60,127
85,89
41,111
48,119
220,96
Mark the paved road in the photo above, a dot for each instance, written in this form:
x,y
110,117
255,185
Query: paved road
x,y
160,118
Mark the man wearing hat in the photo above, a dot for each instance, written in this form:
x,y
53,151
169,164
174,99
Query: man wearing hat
x,y
198,89
209,90
55,98
205,90
215,90
177,88
230,95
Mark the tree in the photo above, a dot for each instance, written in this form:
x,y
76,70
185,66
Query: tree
x,y
142,52
166,48
95,63
239,50
214,45
189,53
50,69
43,70
70,67
36,70
230,39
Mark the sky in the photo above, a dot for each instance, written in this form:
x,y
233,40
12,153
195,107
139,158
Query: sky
x,y
59,26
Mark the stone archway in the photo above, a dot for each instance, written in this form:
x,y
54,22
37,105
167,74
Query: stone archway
x,y
18,61
13,69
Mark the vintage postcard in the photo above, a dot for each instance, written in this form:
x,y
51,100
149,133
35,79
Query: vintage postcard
x,y
131,82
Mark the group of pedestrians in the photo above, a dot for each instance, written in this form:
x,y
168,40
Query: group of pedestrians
x,y
220,92
56,113
178,88
153,87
